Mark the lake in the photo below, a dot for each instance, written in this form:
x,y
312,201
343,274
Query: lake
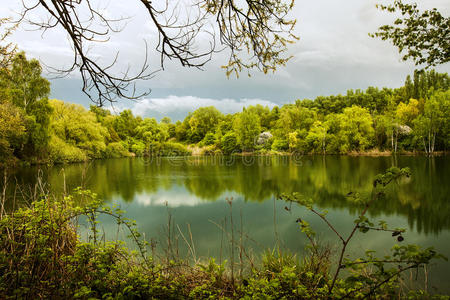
x,y
191,193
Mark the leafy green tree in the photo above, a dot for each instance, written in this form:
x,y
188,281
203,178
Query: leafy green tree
x,y
247,128
434,121
317,137
356,129
423,36
12,132
293,117
166,120
149,131
21,84
75,126
105,118
264,114
381,126
125,124
202,121
38,122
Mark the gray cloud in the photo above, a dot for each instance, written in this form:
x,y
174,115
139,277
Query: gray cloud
x,y
334,54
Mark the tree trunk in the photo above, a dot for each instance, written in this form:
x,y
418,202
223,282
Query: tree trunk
x,y
432,143
429,141
392,140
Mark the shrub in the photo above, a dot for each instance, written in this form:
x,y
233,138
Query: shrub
x,y
116,150
209,139
168,149
280,144
62,152
229,143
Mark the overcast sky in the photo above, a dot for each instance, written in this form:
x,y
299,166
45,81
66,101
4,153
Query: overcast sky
x,y
334,54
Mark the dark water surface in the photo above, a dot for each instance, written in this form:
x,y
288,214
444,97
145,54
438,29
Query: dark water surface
x,y
193,192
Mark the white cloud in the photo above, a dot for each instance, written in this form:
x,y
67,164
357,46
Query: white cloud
x,y
166,198
177,107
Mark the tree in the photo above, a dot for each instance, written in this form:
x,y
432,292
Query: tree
x,y
23,81
434,120
424,37
125,125
261,28
150,132
294,118
247,128
317,137
12,131
202,121
21,84
356,129
78,128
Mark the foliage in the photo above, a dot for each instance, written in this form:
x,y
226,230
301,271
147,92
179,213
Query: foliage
x,y
62,152
209,139
356,129
168,149
229,143
203,121
12,131
247,128
21,84
78,127
410,118
424,36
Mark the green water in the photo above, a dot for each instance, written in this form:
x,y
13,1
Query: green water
x,y
193,192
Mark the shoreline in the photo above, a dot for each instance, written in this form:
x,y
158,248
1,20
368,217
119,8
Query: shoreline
x,y
256,154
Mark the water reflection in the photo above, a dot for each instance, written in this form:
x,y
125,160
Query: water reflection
x,y
422,199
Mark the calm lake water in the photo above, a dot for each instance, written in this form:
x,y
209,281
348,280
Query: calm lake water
x,y
192,192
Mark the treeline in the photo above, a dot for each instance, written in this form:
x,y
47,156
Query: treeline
x,y
33,128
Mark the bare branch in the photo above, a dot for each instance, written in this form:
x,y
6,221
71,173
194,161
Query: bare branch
x,y
260,27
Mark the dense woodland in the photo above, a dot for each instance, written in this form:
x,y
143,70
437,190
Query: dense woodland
x,y
34,129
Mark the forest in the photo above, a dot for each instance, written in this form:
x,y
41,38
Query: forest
x,y
36,129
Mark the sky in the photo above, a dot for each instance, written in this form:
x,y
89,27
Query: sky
x,y
334,54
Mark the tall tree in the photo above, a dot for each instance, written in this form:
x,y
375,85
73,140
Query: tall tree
x,y
23,81
247,127
21,84
12,132
202,121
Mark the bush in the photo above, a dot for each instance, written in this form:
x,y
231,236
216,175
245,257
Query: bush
x,y
62,152
280,145
208,140
168,149
138,148
229,143
116,150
